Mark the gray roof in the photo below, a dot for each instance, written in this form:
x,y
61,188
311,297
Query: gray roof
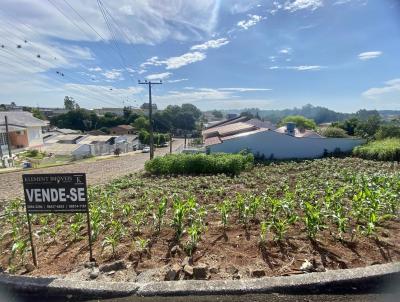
x,y
20,118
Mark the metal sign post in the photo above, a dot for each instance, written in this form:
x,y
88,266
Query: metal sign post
x,y
56,193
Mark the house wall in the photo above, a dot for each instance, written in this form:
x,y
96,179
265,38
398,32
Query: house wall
x,y
82,151
282,146
35,137
19,139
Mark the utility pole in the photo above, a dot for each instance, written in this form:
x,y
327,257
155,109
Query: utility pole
x,y
151,138
8,137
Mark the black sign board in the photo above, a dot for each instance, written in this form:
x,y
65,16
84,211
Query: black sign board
x,y
55,193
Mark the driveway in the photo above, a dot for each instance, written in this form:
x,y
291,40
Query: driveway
x,y
97,172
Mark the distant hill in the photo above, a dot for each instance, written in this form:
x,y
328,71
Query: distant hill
x,y
317,113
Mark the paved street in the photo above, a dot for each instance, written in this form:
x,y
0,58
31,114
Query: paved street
x,y
97,172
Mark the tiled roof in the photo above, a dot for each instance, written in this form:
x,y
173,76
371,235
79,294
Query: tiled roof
x,y
261,124
212,141
229,129
21,118
127,127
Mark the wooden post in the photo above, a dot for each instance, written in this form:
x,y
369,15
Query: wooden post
x,y
91,259
31,240
170,143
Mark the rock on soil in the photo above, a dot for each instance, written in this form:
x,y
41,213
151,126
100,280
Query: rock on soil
x,y
257,273
29,267
150,275
115,266
187,261
188,270
231,270
173,273
94,273
200,271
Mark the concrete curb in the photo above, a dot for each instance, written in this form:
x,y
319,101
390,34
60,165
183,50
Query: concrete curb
x,y
338,281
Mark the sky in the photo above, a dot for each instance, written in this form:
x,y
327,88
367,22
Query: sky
x,y
222,54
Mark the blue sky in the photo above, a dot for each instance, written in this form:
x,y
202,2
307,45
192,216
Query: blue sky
x,y
342,54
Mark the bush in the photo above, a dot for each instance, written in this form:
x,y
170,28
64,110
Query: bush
x,y
386,150
386,131
217,163
300,121
333,132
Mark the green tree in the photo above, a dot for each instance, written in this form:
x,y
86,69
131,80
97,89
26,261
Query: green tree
x,y
38,114
217,114
388,130
70,104
141,123
300,121
333,132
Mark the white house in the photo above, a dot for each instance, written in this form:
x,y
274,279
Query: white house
x,y
24,130
286,142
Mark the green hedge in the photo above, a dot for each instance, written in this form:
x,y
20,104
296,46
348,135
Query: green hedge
x,y
217,163
387,150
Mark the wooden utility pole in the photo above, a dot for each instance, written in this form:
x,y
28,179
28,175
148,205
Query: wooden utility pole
x,y
8,137
151,138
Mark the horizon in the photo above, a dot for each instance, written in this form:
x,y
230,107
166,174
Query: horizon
x,y
270,55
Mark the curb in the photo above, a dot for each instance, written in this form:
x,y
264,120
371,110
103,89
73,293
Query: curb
x,y
371,278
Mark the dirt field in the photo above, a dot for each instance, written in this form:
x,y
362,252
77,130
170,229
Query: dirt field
x,y
98,172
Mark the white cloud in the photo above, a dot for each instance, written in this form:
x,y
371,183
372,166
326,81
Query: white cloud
x,y
253,20
175,62
369,55
97,69
244,89
185,59
390,93
286,50
113,74
176,80
299,68
158,76
295,5
211,44
147,22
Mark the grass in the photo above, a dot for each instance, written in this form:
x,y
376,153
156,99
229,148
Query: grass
x,y
383,150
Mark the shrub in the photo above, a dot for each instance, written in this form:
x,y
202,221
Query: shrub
x,y
386,131
300,121
217,163
333,132
386,150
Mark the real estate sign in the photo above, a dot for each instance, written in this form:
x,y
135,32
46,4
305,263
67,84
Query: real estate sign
x,y
55,193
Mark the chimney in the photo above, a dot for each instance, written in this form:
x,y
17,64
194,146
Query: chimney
x,y
290,128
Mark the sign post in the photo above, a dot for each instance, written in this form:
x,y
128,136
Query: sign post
x,y
56,193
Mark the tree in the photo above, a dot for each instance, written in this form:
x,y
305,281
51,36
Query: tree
x,y
192,109
217,114
248,114
368,128
70,104
391,130
144,137
38,114
141,123
333,132
300,121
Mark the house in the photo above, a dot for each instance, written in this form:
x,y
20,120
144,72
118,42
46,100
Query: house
x,y
74,150
65,131
122,130
64,139
287,142
95,132
24,130
119,111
